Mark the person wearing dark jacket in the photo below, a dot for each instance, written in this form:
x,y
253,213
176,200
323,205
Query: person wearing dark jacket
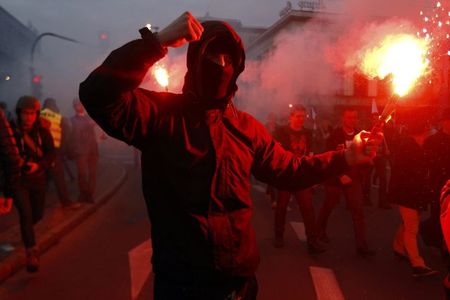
x,y
349,184
409,190
84,147
437,154
198,153
37,151
445,224
10,162
52,119
296,138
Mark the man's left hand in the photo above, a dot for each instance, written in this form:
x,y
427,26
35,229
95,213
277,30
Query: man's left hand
x,y
363,148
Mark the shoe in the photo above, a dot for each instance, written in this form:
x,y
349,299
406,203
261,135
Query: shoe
x,y
423,271
32,260
315,248
400,256
365,252
278,243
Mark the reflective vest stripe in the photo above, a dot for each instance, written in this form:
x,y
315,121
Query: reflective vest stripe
x,y
55,125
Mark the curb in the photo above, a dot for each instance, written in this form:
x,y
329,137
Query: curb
x,y
17,261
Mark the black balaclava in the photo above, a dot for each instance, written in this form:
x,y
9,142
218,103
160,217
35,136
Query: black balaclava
x,y
215,79
207,83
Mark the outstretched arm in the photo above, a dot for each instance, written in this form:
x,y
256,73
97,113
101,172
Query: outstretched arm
x,y
286,171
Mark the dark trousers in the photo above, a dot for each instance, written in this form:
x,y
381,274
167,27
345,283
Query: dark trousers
x,y
304,199
57,175
353,196
87,176
30,203
234,289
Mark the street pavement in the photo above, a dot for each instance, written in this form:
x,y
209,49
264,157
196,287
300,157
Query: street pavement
x,y
108,257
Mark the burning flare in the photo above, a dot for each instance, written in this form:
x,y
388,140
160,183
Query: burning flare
x,y
162,76
402,55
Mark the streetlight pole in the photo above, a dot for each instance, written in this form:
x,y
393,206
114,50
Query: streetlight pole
x,y
33,48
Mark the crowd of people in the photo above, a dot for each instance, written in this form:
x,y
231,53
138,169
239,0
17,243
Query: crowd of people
x,y
36,146
409,170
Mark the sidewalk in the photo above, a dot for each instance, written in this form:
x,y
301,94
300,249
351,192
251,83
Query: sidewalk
x,y
57,222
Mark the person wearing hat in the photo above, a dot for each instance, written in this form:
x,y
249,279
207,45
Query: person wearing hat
x,y
37,151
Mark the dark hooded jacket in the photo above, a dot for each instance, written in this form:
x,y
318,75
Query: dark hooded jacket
x,y
197,159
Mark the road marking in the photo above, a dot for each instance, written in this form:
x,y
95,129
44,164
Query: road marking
x,y
299,228
326,284
140,267
259,188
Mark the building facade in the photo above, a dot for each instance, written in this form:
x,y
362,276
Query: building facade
x,y
16,41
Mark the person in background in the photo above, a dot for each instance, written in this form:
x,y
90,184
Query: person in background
x,y
37,151
349,183
437,153
52,119
297,139
445,224
84,147
409,190
10,162
271,125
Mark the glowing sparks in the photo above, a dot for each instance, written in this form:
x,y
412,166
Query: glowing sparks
x,y
161,75
402,56
435,29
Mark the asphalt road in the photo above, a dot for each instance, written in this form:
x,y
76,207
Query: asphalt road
x,y
107,257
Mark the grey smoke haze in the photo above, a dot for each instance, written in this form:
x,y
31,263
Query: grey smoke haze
x,y
64,65
298,66
303,64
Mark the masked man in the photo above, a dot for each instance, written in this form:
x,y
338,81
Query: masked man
x,y
198,153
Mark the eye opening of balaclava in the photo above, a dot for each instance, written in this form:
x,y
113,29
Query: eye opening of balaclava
x,y
216,69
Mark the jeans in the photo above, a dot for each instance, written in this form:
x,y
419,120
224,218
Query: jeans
x,y
406,237
57,175
304,198
87,175
353,196
30,203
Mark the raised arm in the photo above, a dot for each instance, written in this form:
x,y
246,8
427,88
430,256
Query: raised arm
x,y
111,95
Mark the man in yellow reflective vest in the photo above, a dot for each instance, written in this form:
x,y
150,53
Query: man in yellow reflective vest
x,y
54,121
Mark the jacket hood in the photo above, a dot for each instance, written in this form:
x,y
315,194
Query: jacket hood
x,y
213,30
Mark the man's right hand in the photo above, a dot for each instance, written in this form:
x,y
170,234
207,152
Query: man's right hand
x,y
185,29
